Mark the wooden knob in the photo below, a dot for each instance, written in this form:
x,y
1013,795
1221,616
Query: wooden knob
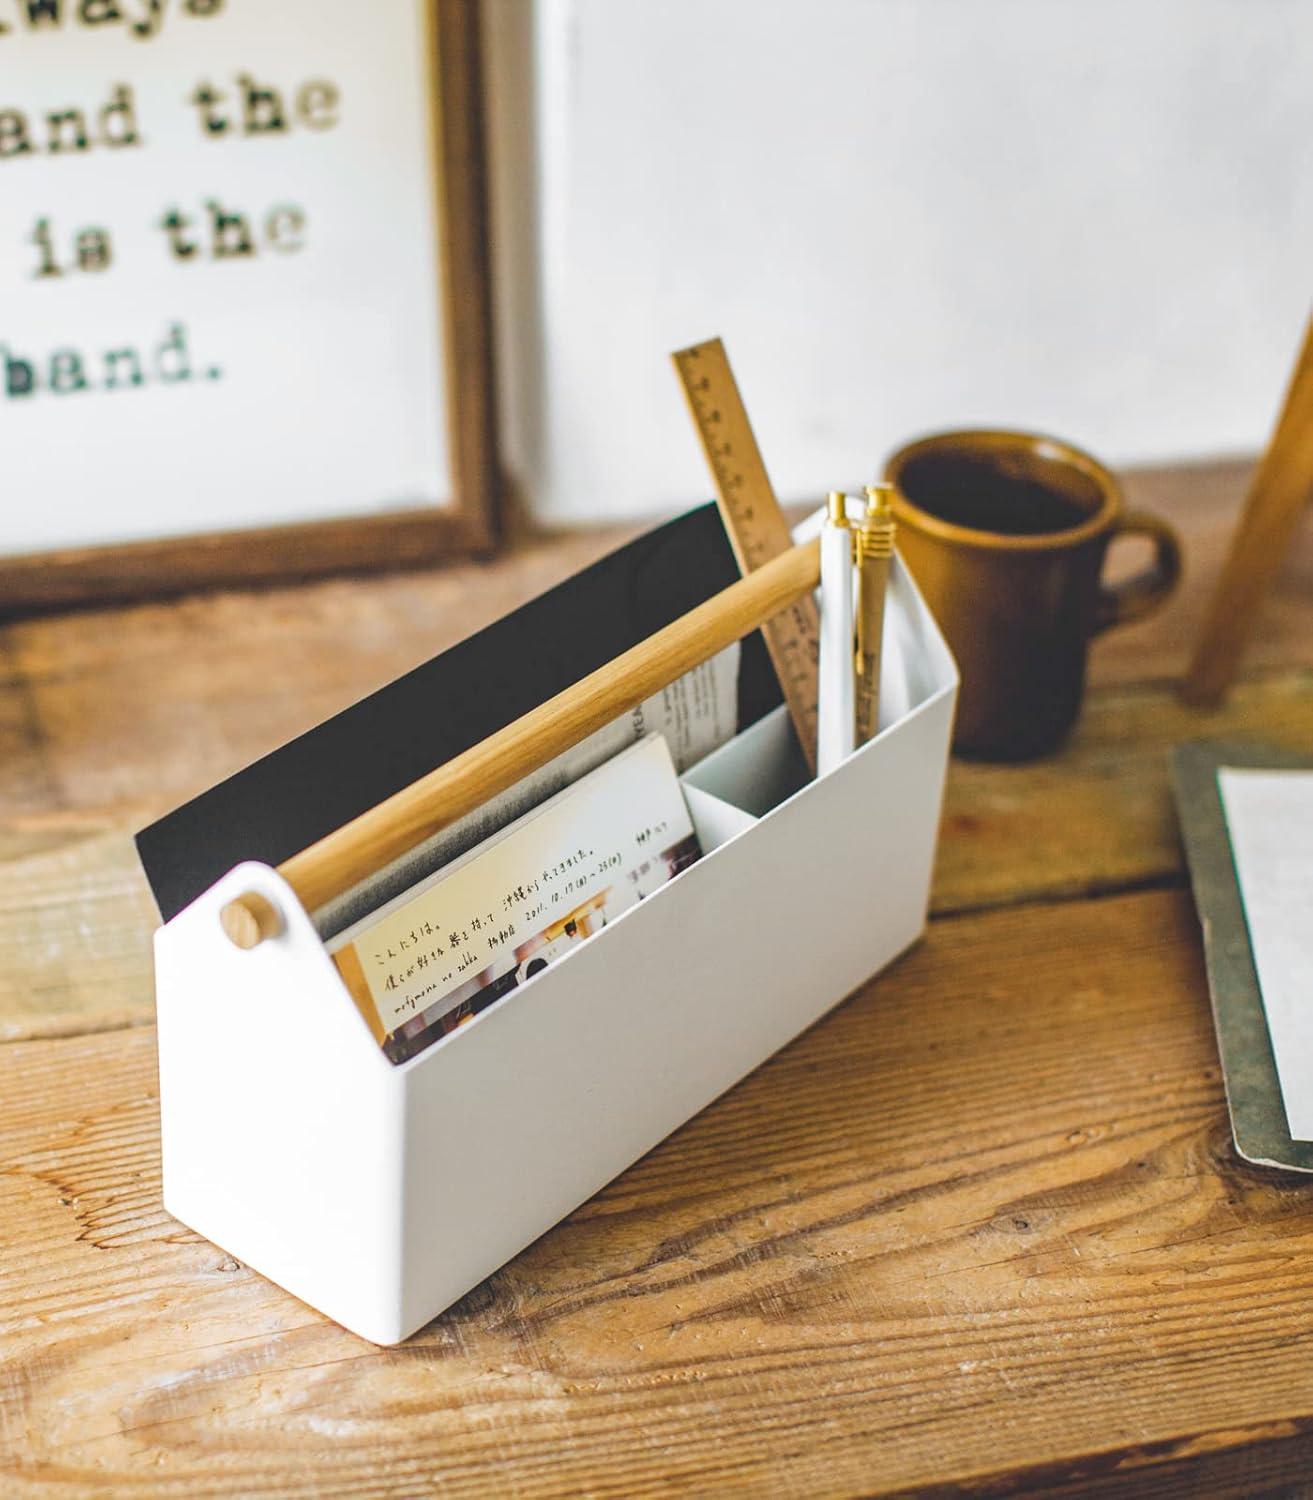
x,y
250,919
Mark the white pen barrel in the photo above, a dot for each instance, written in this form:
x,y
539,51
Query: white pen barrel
x,y
836,712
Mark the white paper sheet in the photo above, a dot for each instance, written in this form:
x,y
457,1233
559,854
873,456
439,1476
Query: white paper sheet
x,y
1270,818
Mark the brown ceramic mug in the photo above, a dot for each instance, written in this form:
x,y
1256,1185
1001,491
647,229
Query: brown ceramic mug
x,y
1006,533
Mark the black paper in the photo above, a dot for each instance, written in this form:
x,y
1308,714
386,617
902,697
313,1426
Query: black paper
x,y
295,795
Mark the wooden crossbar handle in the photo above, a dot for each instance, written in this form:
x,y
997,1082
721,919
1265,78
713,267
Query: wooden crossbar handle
x,y
343,858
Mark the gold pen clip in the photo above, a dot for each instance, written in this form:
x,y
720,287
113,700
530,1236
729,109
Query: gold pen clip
x,y
874,548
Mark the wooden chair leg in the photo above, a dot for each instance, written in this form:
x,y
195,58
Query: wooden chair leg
x,y
1281,489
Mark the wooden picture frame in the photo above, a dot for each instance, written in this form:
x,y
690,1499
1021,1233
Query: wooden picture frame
x,y
468,525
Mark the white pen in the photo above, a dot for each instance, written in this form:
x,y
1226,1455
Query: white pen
x,y
836,730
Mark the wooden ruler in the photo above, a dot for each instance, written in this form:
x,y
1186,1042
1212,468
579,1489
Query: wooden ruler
x,y
756,525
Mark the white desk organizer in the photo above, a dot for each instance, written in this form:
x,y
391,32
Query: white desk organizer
x,y
380,1193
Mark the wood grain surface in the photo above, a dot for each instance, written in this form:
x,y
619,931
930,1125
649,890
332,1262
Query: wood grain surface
x,y
981,1221
110,717
980,1230
76,917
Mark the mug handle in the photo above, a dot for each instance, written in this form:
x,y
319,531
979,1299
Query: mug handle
x,y
1142,594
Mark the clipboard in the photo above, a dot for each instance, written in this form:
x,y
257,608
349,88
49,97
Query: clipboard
x,y
1253,1092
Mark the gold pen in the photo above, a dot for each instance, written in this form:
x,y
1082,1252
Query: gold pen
x,y
836,720
875,547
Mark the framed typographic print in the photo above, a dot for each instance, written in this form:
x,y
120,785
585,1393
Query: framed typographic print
x,y
244,309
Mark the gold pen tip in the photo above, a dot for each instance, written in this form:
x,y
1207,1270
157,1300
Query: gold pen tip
x,y
838,508
878,497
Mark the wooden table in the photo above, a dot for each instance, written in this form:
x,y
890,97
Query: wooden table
x,y
980,1229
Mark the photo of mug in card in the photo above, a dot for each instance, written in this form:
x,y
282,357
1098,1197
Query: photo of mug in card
x,y
431,959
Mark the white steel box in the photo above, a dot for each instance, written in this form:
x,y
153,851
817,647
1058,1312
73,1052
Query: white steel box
x,y
380,1194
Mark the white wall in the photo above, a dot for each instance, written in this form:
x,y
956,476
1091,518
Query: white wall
x,y
1089,216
